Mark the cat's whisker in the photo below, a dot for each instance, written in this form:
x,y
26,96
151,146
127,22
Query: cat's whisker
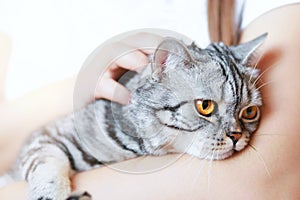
x,y
269,134
264,84
260,98
255,66
209,170
193,158
262,159
273,134
196,177
189,162
262,73
172,98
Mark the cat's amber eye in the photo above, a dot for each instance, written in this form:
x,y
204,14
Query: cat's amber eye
x,y
205,107
250,113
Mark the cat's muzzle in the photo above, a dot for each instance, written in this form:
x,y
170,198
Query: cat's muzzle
x,y
234,136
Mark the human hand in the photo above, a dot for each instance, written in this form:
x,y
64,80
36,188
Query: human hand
x,y
129,53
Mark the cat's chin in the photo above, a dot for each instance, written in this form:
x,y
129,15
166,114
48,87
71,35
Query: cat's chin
x,y
220,155
217,155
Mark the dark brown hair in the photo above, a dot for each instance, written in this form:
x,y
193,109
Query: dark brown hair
x,y
224,20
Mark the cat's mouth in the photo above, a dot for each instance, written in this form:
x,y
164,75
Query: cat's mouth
x,y
229,146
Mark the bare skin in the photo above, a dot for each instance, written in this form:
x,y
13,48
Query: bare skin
x,y
56,100
269,172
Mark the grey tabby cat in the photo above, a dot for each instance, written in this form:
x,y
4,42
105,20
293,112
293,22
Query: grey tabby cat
x,y
202,102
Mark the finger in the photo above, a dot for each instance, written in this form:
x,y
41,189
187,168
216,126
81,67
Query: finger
x,y
112,90
133,60
131,52
114,71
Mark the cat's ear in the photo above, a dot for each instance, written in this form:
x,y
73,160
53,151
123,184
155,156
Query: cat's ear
x,y
170,54
245,52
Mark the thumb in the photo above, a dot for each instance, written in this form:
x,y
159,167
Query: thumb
x,y
111,90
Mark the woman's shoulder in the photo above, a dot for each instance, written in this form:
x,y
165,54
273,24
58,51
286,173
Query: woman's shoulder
x,y
256,8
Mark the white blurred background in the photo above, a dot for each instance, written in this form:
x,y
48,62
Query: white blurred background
x,y
52,38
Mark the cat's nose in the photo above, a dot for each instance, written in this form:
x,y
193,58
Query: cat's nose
x,y
234,136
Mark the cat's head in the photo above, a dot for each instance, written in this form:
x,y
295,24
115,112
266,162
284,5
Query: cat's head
x,y
202,101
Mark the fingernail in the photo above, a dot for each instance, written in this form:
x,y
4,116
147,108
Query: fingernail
x,y
123,97
140,69
128,99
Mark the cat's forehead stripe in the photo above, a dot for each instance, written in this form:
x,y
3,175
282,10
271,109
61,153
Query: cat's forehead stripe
x,y
231,72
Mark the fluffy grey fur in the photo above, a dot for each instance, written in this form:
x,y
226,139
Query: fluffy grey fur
x,y
161,118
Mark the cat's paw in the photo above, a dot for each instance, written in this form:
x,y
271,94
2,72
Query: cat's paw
x,y
44,198
80,196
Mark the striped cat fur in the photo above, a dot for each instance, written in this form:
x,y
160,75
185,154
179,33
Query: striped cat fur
x,y
188,100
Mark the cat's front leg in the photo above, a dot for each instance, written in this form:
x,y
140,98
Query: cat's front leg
x,y
48,175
